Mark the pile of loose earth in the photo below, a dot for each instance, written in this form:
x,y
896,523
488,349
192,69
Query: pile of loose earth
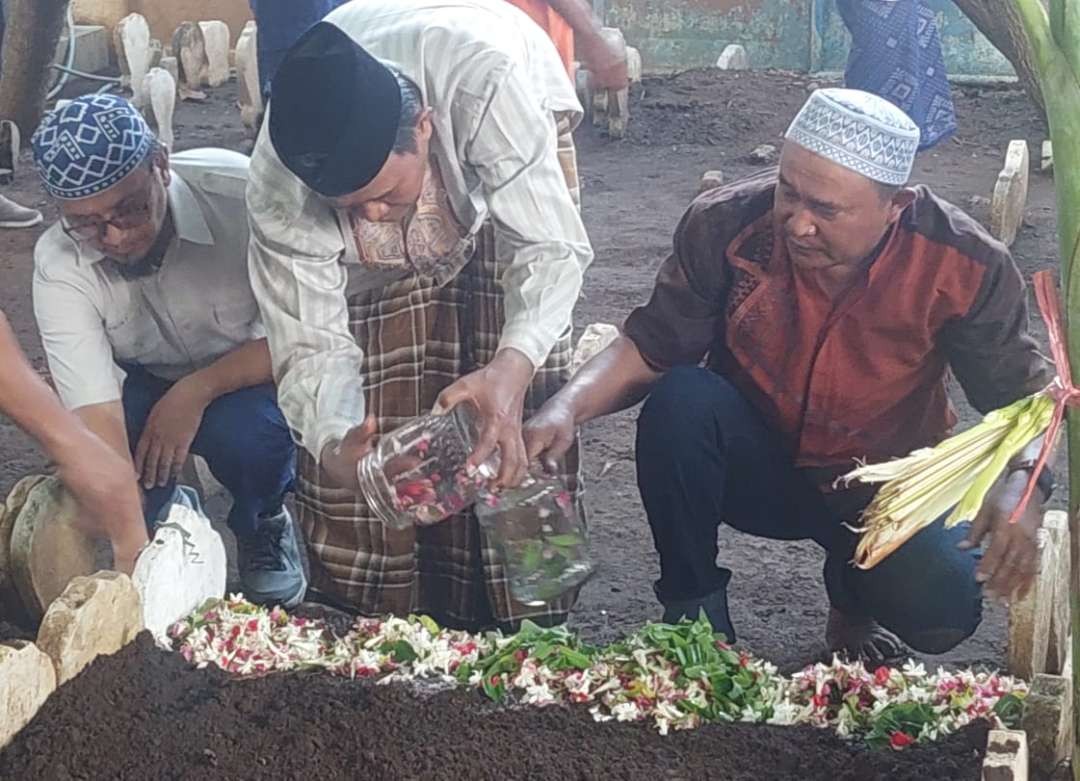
x,y
146,713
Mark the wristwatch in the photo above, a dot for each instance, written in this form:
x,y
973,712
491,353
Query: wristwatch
x,y
1045,480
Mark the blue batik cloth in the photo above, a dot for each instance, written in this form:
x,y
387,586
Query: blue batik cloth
x,y
280,23
896,53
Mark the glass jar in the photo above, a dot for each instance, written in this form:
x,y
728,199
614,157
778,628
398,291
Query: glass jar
x,y
540,537
417,473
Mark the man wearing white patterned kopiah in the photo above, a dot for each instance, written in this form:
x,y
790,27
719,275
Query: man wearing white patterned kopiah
x,y
827,301
146,272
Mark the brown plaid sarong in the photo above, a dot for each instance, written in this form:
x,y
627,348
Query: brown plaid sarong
x,y
418,338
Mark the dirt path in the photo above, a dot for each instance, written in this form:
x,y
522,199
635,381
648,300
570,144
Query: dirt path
x,y
634,192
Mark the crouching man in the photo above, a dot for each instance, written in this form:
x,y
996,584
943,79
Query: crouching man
x,y
146,272
830,300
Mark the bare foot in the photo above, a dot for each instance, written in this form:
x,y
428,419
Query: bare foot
x,y
862,639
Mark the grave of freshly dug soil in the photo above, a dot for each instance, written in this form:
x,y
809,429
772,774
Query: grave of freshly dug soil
x,y
145,713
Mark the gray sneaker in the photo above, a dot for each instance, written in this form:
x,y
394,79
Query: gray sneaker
x,y
269,561
12,215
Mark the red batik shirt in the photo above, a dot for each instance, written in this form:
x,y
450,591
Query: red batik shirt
x,y
862,377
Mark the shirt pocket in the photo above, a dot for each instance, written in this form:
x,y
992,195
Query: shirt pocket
x,y
238,320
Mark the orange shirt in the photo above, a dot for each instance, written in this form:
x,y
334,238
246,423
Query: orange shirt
x,y
861,378
555,26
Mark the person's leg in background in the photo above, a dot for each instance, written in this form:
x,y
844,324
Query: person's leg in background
x,y
249,450
13,215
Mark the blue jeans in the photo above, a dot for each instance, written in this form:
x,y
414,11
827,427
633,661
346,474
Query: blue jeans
x,y
243,437
706,456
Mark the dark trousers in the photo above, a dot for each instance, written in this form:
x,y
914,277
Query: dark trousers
x,y
706,456
243,437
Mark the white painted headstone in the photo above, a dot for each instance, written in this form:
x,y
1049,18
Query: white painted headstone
x,y
216,35
183,567
247,73
132,37
160,88
733,58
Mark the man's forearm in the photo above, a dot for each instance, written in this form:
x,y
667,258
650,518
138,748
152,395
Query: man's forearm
x,y
244,367
28,400
107,422
578,14
615,379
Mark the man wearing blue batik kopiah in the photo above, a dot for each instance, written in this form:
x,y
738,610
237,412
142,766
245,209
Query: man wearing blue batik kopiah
x,y
145,276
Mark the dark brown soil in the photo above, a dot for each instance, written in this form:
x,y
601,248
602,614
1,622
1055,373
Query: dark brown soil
x,y
634,192
145,713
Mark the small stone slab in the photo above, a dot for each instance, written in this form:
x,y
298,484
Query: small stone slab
x,y
47,548
183,567
10,604
1010,194
157,51
1047,161
160,89
95,615
733,58
633,64
216,36
1059,645
1048,721
247,73
596,337
27,679
173,67
1006,756
131,38
618,111
710,180
764,154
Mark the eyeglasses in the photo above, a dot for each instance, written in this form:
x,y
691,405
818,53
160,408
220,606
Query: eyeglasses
x,y
132,212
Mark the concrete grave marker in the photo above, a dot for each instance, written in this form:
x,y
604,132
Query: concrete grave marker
x,y
160,87
26,680
247,74
216,37
1006,756
95,615
173,67
710,180
183,566
733,58
633,64
157,51
1010,194
1047,162
132,41
47,547
189,48
595,338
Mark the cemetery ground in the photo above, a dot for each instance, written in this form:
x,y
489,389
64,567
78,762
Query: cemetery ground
x,y
634,192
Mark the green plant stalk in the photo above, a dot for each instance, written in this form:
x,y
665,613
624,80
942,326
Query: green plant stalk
x,y
1055,41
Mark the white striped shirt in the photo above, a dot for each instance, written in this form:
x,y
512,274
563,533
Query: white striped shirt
x,y
494,82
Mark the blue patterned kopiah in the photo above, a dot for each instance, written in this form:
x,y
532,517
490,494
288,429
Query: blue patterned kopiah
x,y
859,131
89,145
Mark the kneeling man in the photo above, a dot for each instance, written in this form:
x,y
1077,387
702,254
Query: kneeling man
x,y
146,271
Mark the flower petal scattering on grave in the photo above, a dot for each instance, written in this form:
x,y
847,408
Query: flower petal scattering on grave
x,y
677,676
